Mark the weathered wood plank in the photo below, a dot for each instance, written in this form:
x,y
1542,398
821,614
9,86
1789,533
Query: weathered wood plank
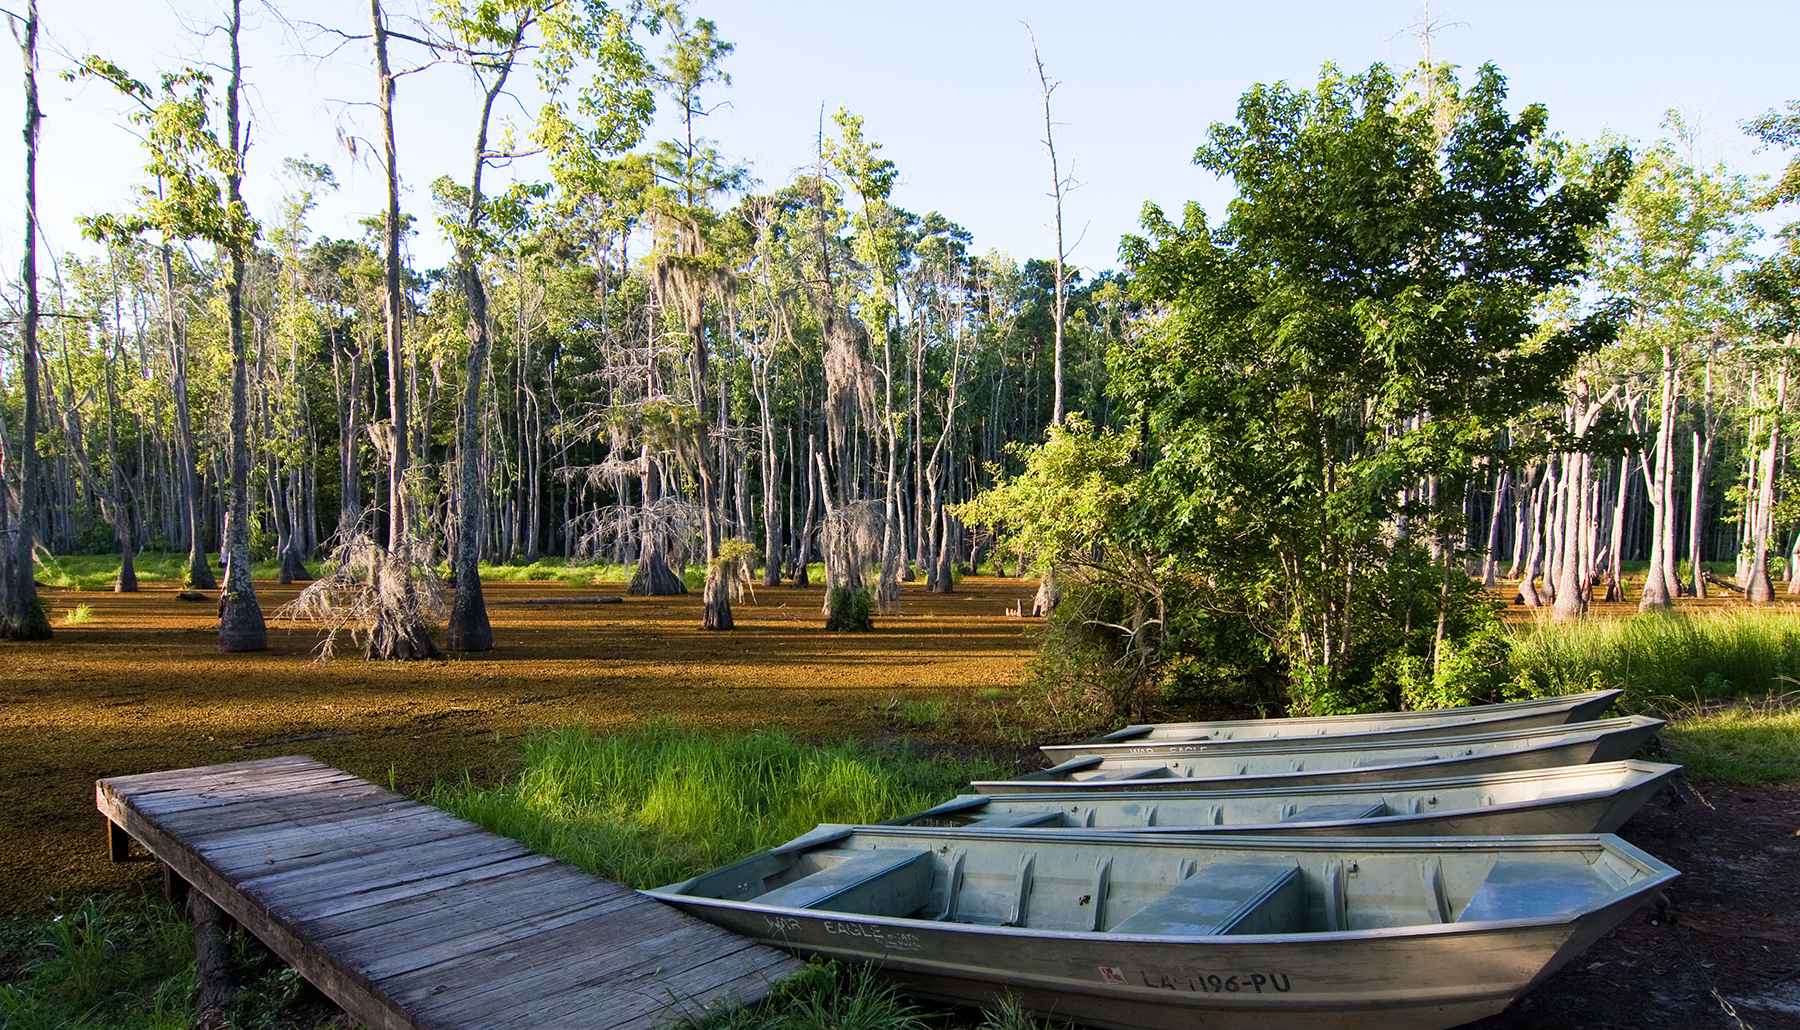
x,y
568,956
399,868
595,985
408,917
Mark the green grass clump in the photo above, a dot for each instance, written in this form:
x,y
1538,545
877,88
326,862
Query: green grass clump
x,y
653,805
917,713
80,615
1662,661
1742,744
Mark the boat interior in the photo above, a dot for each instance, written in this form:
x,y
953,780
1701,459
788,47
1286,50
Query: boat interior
x,y
1156,887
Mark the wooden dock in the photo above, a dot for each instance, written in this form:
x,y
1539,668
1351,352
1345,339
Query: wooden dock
x,y
408,917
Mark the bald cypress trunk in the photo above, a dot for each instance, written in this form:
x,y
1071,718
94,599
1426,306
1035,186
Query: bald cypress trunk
x,y
21,614
469,628
397,634
241,625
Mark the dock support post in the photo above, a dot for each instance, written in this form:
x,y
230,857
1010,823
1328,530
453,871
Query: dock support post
x,y
211,961
175,889
118,842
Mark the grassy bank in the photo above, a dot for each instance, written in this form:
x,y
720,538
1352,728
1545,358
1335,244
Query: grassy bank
x,y
658,804
1744,744
124,961
1663,662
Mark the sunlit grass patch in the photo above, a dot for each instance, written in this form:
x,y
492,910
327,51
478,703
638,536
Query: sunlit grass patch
x,y
653,805
80,615
1663,661
1744,744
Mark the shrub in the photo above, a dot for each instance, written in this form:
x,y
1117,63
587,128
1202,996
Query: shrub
x,y
849,610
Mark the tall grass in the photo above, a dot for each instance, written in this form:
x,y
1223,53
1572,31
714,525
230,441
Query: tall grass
x,y
1663,661
653,805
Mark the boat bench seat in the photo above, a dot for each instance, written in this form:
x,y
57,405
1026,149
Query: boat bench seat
x,y
1225,897
1006,820
1520,888
886,882
1334,813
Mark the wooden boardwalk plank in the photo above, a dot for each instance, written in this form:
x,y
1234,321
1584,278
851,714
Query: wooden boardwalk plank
x,y
410,918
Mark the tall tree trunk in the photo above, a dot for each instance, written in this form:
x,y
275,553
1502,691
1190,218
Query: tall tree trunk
x,y
240,616
469,628
1760,590
398,633
1056,193
1490,561
21,613
1615,551
1656,579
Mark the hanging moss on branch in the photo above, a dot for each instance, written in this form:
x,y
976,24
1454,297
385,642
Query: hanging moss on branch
x,y
385,599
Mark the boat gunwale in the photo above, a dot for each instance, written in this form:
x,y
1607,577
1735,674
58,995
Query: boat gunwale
x,y
1571,701
1655,774
1657,874
1350,742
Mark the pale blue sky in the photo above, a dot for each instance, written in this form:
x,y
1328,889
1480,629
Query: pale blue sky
x,y
947,88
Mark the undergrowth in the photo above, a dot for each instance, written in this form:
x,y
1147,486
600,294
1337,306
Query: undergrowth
x,y
124,961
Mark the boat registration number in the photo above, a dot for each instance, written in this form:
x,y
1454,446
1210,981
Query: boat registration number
x,y
1196,982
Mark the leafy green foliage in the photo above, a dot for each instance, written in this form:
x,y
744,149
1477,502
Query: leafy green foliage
x,y
1331,362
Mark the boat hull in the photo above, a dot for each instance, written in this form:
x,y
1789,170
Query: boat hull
x,y
1416,981
1573,799
1361,933
1321,764
1535,713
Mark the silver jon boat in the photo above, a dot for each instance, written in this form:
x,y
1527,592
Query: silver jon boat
x,y
1571,799
1176,766
1440,722
1448,722
1147,932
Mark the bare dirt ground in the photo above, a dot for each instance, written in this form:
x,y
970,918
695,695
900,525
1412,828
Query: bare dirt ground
x,y
142,687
